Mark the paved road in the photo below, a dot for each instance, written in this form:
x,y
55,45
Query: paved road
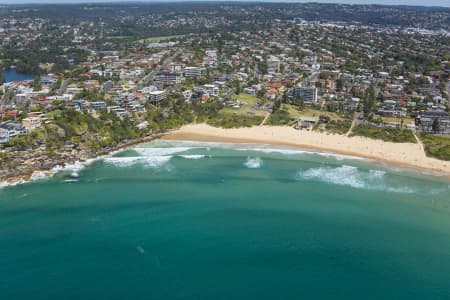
x,y
151,76
6,101
62,87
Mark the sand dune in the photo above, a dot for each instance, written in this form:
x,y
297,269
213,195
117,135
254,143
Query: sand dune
x,y
404,154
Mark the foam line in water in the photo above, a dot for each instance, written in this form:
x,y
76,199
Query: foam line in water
x,y
193,156
298,152
254,147
353,177
148,161
153,151
254,163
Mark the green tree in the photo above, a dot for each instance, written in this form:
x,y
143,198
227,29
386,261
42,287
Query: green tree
x,y
369,101
436,125
37,83
340,84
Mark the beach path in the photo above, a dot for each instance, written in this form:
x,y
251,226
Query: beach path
x,y
351,127
266,117
419,142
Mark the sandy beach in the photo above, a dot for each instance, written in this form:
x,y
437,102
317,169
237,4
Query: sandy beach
x,y
401,154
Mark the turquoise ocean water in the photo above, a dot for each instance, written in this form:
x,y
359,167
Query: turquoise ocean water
x,y
186,220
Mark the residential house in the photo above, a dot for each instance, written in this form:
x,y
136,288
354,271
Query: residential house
x,y
31,123
4,136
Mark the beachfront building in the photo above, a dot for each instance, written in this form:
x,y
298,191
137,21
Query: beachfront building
x,y
14,129
307,94
156,96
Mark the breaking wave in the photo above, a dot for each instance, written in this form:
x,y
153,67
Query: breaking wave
x,y
353,177
193,156
298,152
76,166
253,163
152,157
148,161
36,176
161,151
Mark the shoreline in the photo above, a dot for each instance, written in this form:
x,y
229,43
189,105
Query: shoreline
x,y
29,174
406,155
360,147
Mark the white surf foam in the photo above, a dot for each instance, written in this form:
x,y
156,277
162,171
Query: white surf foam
x,y
75,167
161,151
39,175
193,156
70,180
4,184
122,161
298,152
252,147
253,163
148,161
353,177
272,150
344,175
376,174
152,157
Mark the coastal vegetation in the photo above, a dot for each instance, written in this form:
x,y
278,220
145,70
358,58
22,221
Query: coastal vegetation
x,y
436,146
244,114
70,128
234,121
338,126
246,105
280,117
328,121
395,135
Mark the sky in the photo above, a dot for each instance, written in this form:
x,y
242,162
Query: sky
x,y
444,3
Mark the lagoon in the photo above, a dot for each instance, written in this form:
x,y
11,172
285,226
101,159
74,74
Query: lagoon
x,y
12,75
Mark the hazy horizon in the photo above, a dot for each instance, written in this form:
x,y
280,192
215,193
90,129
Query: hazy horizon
x,y
438,3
